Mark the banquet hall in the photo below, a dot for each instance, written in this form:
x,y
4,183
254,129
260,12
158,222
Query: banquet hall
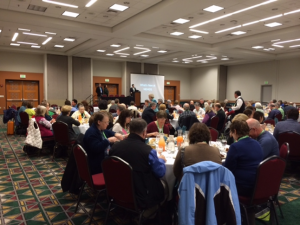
x,y
52,52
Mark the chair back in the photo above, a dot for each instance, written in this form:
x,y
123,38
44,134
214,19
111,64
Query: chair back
x,y
55,116
293,138
91,109
214,122
270,121
103,95
279,117
24,119
268,178
122,95
61,133
117,96
284,151
214,134
54,106
118,178
110,96
171,110
112,111
81,159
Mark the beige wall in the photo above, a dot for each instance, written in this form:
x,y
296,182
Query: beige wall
x,y
204,83
107,68
181,74
21,62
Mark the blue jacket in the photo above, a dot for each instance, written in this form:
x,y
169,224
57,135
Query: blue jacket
x,y
273,113
95,145
207,192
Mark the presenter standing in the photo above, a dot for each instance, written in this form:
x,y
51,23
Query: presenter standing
x,y
132,90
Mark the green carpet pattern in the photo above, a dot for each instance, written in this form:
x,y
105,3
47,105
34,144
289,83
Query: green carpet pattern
x,y
30,191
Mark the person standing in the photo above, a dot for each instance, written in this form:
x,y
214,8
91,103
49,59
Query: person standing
x,y
106,92
132,90
239,105
99,91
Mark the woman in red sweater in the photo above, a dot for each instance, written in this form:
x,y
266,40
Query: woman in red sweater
x,y
159,125
44,125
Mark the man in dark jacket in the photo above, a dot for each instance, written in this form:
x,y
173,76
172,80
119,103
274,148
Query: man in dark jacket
x,y
221,115
147,167
149,113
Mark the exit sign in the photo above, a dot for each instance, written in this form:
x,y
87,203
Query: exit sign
x,y
23,76
168,82
106,80
266,82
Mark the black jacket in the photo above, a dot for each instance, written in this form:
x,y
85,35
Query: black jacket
x,y
221,115
148,115
70,121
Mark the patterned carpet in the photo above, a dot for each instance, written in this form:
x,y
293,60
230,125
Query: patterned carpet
x,y
30,190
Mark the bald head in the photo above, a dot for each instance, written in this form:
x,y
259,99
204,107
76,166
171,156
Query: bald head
x,y
253,123
254,127
186,106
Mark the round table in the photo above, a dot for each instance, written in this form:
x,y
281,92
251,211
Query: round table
x,y
81,129
174,122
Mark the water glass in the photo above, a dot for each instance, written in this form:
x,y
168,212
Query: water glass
x,y
159,150
157,138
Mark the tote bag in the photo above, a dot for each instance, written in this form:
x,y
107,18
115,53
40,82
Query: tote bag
x,y
34,135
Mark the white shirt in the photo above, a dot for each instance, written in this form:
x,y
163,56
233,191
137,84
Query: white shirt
x,y
132,107
118,128
178,108
77,113
200,112
239,103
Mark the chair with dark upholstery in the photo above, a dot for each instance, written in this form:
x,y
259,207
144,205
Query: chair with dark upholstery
x,y
91,110
293,138
171,110
214,122
24,120
117,96
122,95
112,111
96,182
270,121
61,136
214,134
103,95
268,178
279,117
284,151
55,116
110,96
54,106
116,171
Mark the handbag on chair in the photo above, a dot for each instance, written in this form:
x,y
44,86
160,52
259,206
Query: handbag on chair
x,y
33,138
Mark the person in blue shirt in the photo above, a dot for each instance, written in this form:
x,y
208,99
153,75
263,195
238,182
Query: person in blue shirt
x,y
21,109
266,140
74,105
273,112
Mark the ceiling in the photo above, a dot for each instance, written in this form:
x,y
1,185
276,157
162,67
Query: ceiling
x,y
144,31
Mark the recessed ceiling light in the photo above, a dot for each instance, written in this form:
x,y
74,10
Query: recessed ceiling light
x,y
115,45
295,11
238,32
61,3
195,36
278,46
26,43
269,18
258,47
199,31
213,8
47,40
124,56
266,49
90,3
204,61
110,54
275,40
162,51
274,24
14,44
144,55
50,33
225,59
59,46
15,37
69,39
119,7
33,34
35,46
100,50
176,33
231,28
175,61
23,29
181,21
294,46
246,24
0,31
70,14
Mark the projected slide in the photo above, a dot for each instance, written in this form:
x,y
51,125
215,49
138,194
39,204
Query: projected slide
x,y
148,84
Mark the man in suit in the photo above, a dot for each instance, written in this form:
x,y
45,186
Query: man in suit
x,y
99,91
221,115
132,90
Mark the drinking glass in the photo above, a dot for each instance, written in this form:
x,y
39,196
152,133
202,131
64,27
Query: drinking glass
x,y
159,150
157,138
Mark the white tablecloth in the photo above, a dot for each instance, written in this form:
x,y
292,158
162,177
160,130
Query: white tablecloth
x,y
174,122
81,129
169,175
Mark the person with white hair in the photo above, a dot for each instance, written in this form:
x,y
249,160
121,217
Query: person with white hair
x,y
258,107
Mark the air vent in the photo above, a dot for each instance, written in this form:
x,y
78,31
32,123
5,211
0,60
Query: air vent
x,y
37,8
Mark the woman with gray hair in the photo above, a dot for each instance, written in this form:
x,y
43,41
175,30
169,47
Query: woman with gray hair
x,y
44,125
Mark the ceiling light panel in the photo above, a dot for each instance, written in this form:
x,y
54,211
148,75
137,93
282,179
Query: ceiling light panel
x,y
15,37
278,46
61,3
14,44
100,50
47,40
69,39
213,8
23,29
274,24
181,21
119,7
70,14
239,32
50,33
35,46
26,43
109,54
294,46
272,17
287,41
295,11
257,47
195,36
162,51
59,46
145,50
176,33
33,34
231,28
90,3
120,51
115,45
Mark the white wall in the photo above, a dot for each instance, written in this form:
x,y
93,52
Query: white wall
x,y
21,62
204,83
283,75
107,68
181,74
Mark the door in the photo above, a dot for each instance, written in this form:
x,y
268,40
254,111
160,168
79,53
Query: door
x,y
112,89
14,93
266,94
17,91
169,93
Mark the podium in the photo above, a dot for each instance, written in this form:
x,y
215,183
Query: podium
x,y
137,98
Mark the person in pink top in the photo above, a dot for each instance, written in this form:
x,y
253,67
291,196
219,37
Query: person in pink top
x,y
122,124
44,125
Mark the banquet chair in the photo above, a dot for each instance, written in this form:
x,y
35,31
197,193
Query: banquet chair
x,y
117,96
103,95
55,116
214,134
24,120
61,136
214,122
279,117
171,110
122,95
293,138
268,178
110,96
91,110
270,121
54,106
95,182
116,171
112,111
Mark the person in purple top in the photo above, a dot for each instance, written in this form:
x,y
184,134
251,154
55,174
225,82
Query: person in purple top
x,y
208,115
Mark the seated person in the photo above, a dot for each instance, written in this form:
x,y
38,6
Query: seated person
x,y
120,108
198,150
66,118
146,104
21,109
243,157
113,106
84,114
187,112
258,107
192,106
177,107
147,167
163,107
122,124
102,104
96,141
273,112
159,125
74,105
48,114
149,114
30,111
266,140
208,115
198,110
44,125
132,106
290,124
259,116
248,113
